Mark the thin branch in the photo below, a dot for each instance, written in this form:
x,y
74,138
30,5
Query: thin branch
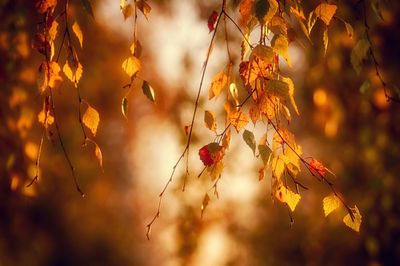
x,y
37,164
186,149
62,144
375,61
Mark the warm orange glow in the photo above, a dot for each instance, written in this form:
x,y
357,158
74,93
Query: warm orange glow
x,y
380,100
31,150
331,128
320,97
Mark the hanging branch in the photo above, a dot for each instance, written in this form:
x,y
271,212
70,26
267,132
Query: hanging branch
x,y
375,61
186,149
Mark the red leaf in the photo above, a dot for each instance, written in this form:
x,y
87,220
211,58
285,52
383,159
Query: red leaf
x,y
205,156
318,167
212,21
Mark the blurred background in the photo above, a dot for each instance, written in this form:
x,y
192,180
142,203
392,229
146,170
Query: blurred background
x,y
351,128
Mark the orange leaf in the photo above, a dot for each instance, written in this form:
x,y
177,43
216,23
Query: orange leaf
x,y
325,12
318,167
239,120
131,66
217,85
246,10
287,196
204,204
78,32
91,119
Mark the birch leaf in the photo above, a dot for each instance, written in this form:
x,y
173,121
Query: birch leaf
x,y
91,119
330,203
78,32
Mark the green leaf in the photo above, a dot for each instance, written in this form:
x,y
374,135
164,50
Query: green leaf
x,y
248,137
365,87
358,54
124,107
88,7
148,91
264,152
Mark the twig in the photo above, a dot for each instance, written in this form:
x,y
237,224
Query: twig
x,y
186,149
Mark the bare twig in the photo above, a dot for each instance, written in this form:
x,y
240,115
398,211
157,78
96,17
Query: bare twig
x,y
186,149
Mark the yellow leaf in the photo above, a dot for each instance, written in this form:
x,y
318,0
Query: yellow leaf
x,y
49,74
287,196
78,32
204,204
325,40
53,30
330,203
291,93
281,45
353,224
292,159
217,85
143,7
246,10
73,73
99,155
325,12
209,120
278,166
45,119
122,4
239,120
215,170
127,11
131,66
91,119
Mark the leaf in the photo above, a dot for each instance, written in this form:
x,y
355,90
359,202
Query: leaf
x,y
73,73
287,196
359,53
325,40
91,119
122,3
143,7
53,30
280,44
49,74
246,10
375,7
234,93
204,204
99,155
353,223
78,32
312,18
45,119
318,167
124,107
325,12
292,160
205,156
254,113
127,11
148,91
215,170
278,26
278,166
212,21
349,29
217,85
131,66
265,153
278,88
265,9
365,88
226,139
209,120
261,173
239,120
248,137
290,84
88,7
330,203
264,53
